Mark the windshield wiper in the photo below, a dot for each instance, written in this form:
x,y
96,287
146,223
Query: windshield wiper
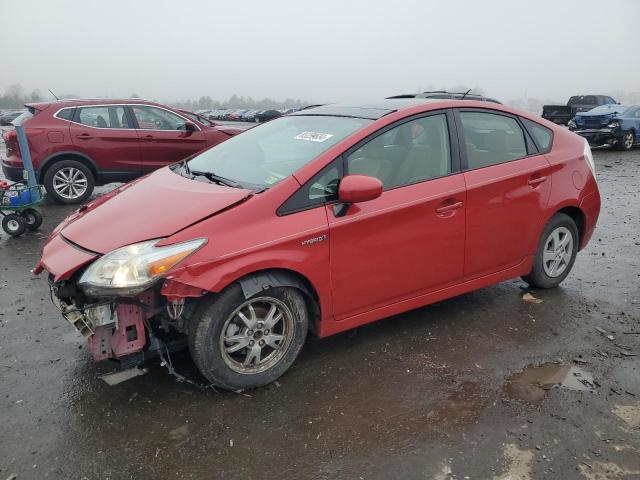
x,y
213,177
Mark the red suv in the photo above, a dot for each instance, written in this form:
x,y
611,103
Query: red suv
x,y
322,220
77,144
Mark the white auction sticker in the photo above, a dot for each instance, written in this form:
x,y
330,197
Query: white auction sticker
x,y
313,136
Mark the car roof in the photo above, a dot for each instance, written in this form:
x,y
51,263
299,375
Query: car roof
x,y
369,110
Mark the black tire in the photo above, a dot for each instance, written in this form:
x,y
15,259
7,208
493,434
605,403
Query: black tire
x,y
206,330
539,277
14,224
627,141
62,166
32,218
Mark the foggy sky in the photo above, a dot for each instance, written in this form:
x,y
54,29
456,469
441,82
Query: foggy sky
x,y
321,50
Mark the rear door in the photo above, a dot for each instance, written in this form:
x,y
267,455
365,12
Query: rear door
x,y
508,186
105,134
163,137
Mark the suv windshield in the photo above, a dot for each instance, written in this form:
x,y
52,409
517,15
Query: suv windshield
x,y
265,155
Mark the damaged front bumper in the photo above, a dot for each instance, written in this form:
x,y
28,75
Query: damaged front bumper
x,y
600,136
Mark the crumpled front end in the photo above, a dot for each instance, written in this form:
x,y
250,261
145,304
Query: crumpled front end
x,y
129,329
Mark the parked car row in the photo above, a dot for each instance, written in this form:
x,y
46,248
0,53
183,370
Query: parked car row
x,y
244,115
6,118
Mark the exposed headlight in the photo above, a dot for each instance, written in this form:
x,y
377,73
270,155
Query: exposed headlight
x,y
572,124
588,156
614,124
132,269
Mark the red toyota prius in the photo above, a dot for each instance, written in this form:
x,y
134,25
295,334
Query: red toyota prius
x,y
321,221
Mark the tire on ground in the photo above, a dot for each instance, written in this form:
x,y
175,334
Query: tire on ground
x,y
538,277
59,165
206,328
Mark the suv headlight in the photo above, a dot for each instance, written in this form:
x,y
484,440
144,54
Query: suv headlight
x,y
613,124
132,269
572,124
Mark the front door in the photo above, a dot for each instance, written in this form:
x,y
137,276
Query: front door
x,y
164,138
508,187
410,240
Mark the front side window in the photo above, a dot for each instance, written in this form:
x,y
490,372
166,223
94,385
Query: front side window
x,y
413,152
269,153
491,139
152,118
109,116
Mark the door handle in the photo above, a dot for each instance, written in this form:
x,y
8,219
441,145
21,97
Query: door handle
x,y
537,181
149,138
84,136
449,208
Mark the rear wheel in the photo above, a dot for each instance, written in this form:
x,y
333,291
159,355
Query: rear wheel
x,y
556,253
14,224
32,218
627,141
69,181
240,343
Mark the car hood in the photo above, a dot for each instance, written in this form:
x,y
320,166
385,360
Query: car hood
x,y
155,206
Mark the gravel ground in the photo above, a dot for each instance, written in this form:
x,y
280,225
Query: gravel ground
x,y
446,391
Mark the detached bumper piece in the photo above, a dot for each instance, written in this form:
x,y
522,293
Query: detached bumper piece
x,y
126,338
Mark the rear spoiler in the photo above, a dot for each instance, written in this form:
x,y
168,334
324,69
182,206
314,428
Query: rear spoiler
x,y
36,107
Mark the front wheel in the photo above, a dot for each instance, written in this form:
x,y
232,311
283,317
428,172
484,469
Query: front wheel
x,y
556,253
627,141
240,343
69,181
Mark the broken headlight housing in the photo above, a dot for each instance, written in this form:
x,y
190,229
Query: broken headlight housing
x,y
130,270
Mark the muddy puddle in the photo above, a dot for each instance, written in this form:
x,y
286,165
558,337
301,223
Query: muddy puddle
x,y
532,383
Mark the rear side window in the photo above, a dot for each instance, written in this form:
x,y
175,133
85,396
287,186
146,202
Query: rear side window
x,y
491,139
66,113
542,135
109,116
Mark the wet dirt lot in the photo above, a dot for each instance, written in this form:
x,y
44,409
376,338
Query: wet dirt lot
x,y
446,391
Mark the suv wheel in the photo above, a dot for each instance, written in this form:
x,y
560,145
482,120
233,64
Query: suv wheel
x,y
69,181
556,253
240,343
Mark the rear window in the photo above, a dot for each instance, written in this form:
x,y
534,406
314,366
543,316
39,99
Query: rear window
x,y
583,100
543,136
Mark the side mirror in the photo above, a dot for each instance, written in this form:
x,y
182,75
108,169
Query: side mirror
x,y
190,127
359,188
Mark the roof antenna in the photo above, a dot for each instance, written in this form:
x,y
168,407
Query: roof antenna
x,y
53,94
465,94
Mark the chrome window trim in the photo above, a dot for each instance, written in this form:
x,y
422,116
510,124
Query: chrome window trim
x,y
125,105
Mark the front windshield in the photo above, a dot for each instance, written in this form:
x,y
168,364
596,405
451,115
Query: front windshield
x,y
264,155
609,109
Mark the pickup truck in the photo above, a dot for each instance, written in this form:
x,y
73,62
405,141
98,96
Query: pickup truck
x,y
561,114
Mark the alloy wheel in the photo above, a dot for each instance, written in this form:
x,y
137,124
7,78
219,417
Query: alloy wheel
x,y
628,140
256,335
558,250
70,183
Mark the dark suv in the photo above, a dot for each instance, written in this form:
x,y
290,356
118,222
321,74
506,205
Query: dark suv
x,y
77,144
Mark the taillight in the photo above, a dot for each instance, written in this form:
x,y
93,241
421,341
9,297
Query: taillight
x,y
11,141
588,156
